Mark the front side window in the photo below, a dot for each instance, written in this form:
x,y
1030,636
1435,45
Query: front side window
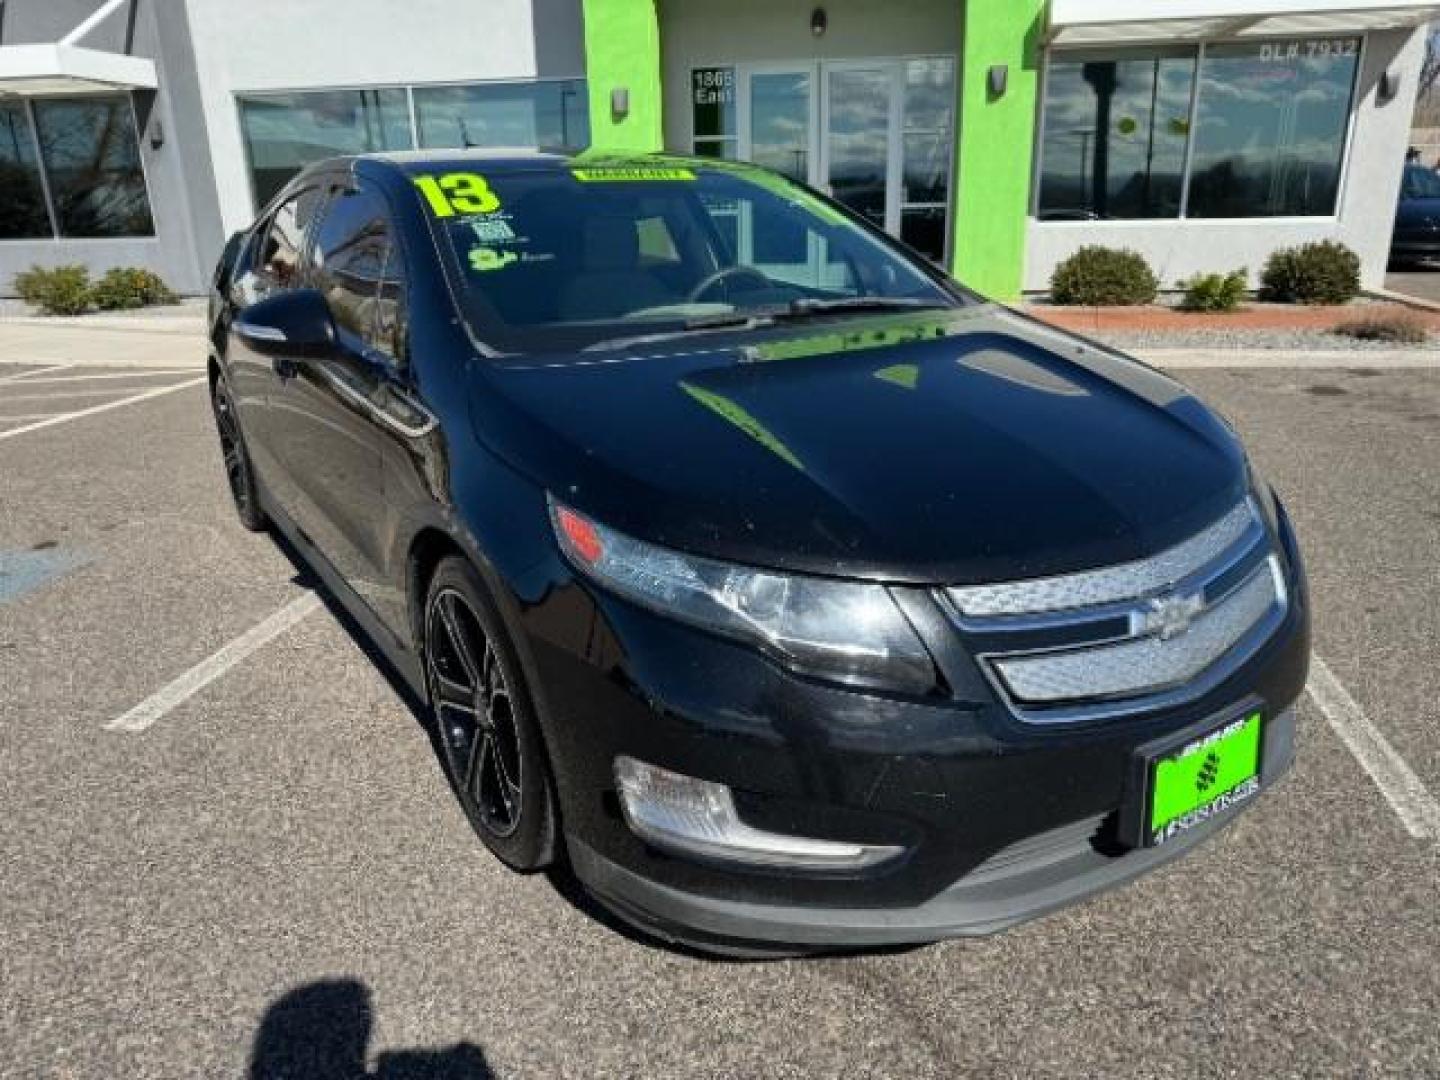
x,y
1421,183
286,132
352,247
22,207
280,262
92,160
567,258
1261,127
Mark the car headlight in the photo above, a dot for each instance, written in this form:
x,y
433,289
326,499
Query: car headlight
x,y
847,631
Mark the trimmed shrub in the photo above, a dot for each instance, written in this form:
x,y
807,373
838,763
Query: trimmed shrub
x,y
1103,277
58,290
1214,292
130,287
1323,273
1396,329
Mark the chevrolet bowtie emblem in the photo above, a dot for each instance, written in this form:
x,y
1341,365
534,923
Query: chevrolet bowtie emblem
x,y
1168,616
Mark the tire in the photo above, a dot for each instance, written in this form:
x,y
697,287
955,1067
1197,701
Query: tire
x,y
238,470
485,720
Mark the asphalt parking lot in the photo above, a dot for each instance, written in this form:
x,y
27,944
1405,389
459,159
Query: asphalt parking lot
x,y
271,875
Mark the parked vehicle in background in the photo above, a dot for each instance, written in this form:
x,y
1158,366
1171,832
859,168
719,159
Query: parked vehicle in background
x,y
1417,218
793,595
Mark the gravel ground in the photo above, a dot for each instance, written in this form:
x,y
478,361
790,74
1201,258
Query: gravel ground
x,y
1315,340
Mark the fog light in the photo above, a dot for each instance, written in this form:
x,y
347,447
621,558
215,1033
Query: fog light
x,y
697,817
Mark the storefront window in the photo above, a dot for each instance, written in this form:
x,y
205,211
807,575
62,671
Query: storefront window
x,y
1268,138
504,114
22,207
1270,133
92,161
285,132
1114,136
927,149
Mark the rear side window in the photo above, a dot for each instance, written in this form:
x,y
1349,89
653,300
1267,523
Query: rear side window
x,y
357,269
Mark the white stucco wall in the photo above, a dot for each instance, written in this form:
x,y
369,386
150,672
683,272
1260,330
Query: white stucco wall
x,y
262,45
1371,186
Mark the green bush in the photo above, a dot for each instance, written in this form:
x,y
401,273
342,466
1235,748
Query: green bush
x,y
57,290
130,287
1323,273
1396,329
1103,277
1214,292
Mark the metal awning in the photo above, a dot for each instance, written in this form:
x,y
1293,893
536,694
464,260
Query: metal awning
x,y
69,69
1120,22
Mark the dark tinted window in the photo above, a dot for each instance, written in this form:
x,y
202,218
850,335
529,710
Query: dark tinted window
x,y
22,206
353,268
92,159
1270,134
1421,183
280,262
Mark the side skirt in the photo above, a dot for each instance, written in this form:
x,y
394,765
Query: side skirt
x,y
404,661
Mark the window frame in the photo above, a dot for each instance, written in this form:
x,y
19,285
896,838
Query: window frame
x,y
27,104
1080,53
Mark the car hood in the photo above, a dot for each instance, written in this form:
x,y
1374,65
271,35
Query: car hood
x,y
1417,212
940,447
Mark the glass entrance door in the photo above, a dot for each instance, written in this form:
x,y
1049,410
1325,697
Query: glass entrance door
x,y
877,134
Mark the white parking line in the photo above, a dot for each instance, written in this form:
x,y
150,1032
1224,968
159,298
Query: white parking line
x,y
78,414
213,666
33,372
148,373
1416,807
104,391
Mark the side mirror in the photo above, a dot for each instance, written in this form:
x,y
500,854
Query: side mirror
x,y
295,323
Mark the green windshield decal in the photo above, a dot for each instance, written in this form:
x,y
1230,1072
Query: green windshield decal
x,y
906,375
736,414
841,341
483,258
618,174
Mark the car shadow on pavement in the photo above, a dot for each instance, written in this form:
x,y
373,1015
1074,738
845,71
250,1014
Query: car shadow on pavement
x,y
321,1031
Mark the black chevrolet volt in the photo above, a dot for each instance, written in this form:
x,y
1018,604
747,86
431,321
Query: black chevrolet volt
x,y
784,593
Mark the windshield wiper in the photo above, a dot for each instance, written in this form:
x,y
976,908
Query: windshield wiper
x,y
808,307
727,320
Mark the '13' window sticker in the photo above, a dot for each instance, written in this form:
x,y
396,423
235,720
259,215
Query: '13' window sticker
x,y
457,193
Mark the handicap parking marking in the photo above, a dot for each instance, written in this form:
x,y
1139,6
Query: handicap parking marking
x,y
23,572
187,685
78,414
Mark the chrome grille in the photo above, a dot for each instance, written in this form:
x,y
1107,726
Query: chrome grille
x,y
1110,583
1147,664
1131,637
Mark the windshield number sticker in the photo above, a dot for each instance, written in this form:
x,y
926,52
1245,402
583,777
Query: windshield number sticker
x,y
458,193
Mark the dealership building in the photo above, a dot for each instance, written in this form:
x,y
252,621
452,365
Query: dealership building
x,y
995,136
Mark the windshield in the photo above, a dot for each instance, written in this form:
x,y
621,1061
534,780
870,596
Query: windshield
x,y
575,258
1421,183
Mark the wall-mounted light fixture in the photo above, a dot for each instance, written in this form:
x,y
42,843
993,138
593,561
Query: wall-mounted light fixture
x,y
819,21
996,79
1388,88
619,102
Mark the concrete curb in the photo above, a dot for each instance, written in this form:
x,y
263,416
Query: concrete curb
x,y
1376,359
1403,298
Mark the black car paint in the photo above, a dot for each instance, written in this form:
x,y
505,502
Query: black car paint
x,y
1007,450
1417,218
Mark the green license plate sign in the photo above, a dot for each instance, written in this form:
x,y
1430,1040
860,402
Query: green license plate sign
x,y
1204,777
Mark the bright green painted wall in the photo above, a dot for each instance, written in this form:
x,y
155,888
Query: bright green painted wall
x,y
996,140
622,48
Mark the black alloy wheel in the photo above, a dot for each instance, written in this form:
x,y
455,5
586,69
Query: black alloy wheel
x,y
484,720
238,470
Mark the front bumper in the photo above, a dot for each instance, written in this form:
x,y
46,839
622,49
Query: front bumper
x,y
1029,879
1000,820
